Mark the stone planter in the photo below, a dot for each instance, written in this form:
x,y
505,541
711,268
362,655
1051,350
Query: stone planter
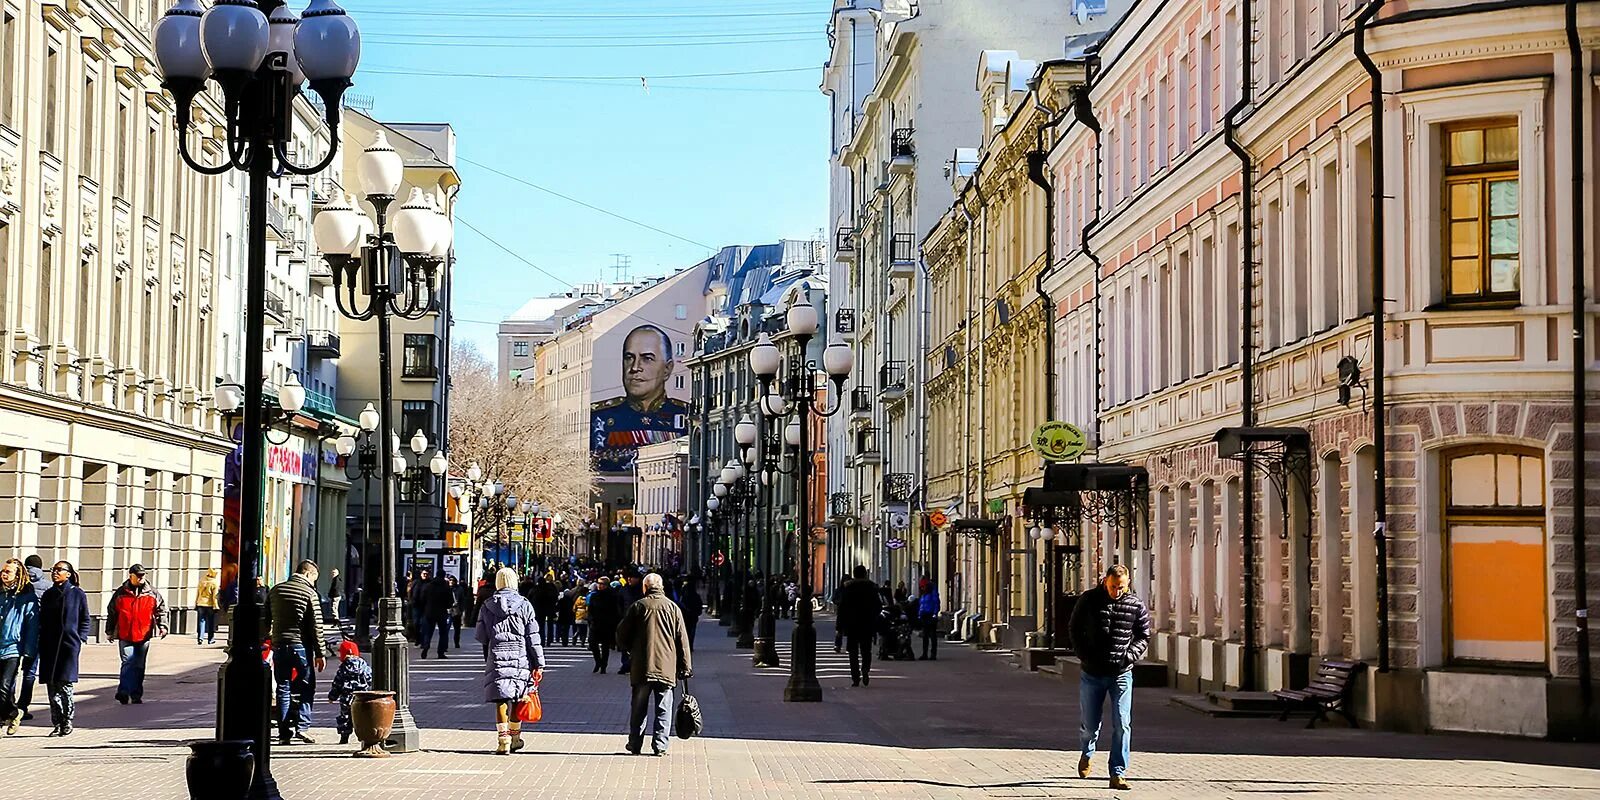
x,y
372,715
220,770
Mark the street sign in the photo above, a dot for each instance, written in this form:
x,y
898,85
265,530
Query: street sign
x,y
1059,441
718,559
937,519
895,544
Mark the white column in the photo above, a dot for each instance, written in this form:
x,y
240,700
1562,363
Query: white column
x,y
1206,550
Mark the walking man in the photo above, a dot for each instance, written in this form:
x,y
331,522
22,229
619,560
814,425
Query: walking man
x,y
860,613
136,615
928,619
293,613
1110,631
656,640
438,599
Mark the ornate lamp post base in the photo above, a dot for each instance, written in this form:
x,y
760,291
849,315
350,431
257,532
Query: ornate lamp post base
x,y
747,629
391,673
803,686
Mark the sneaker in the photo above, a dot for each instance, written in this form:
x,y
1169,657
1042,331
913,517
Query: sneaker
x,y
56,731
424,655
13,725
1120,783
631,751
66,730
304,738
344,738
1083,766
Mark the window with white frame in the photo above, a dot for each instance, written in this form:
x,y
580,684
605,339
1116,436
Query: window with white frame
x,y
1482,242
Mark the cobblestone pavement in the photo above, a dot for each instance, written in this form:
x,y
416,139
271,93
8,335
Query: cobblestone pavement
x,y
965,726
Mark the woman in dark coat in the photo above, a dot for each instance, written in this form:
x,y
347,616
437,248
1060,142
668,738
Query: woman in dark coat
x,y
513,658
63,628
605,613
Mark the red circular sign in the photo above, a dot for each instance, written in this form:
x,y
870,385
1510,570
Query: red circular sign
x,y
717,559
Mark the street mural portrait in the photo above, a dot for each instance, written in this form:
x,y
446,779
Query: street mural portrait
x,y
649,405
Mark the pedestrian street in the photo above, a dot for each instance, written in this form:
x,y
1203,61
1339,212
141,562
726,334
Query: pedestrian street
x,y
968,725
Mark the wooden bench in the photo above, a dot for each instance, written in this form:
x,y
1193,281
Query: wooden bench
x,y
1329,691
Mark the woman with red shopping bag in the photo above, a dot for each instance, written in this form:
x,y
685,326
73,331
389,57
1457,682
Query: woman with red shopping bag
x,y
513,659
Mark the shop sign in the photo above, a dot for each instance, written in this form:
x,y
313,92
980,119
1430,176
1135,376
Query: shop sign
x,y
1059,441
291,460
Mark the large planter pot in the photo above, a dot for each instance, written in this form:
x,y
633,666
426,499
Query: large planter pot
x,y
372,715
220,770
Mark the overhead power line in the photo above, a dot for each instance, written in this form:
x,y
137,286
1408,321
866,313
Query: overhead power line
x,y
583,45
590,206
582,16
384,69
509,251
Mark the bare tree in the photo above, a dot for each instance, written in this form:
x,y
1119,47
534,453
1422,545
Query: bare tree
x,y
514,438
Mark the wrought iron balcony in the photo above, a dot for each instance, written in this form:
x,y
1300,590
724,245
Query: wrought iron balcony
x,y
321,273
278,225
275,307
844,244
899,486
903,255
901,143
892,377
861,402
868,448
322,344
841,503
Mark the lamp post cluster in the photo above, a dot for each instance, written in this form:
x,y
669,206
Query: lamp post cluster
x,y
291,398
790,388
260,55
732,496
493,508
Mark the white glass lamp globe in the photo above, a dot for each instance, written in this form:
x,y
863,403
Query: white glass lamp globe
x,y
738,470
346,446
419,442
720,490
292,396
791,434
438,464
774,405
229,398
495,488
413,226
281,27
1046,533
380,168
394,443
745,432
233,36
398,464
712,504
177,42
337,227
802,318
369,418
474,472
764,357
327,42
1033,533
444,230
837,359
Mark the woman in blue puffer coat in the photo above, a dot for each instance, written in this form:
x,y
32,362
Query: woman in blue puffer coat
x,y
513,658
19,636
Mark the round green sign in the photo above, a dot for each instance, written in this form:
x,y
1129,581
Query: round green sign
x,y
1059,441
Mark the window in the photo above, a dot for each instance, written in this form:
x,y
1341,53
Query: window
x,y
416,415
52,94
5,271
8,71
90,108
1495,555
123,143
152,173
680,311
419,356
519,348
1482,237
47,271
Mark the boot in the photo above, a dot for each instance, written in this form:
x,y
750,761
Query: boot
x,y
516,737
504,745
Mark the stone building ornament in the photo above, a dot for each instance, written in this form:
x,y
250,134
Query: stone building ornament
x,y
177,277
152,265
52,200
90,220
205,292
120,236
8,177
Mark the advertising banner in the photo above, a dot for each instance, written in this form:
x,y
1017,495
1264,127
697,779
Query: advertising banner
x,y
641,392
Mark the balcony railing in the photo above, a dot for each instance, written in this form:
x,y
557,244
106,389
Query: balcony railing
x,y
275,307
901,143
322,344
861,400
898,486
321,273
317,401
867,445
841,503
277,224
844,240
892,377
903,249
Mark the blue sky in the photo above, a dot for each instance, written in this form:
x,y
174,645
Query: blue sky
x,y
735,156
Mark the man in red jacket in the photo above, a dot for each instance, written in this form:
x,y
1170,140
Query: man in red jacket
x,y
136,615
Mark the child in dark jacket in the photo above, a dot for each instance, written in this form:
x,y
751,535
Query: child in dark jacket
x,y
354,675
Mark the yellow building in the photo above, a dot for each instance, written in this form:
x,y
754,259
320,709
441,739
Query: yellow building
x,y
988,350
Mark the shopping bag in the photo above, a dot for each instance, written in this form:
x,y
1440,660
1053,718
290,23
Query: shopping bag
x,y
689,721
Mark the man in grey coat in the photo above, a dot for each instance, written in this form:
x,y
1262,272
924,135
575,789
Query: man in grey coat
x,y
656,640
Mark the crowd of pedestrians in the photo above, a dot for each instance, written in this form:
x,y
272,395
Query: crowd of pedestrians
x,y
44,622
869,615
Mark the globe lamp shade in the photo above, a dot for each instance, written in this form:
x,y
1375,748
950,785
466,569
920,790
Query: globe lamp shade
x,y
474,472
338,228
414,231
327,42
229,398
745,432
233,36
281,27
176,37
764,357
837,359
346,446
369,418
380,168
419,442
292,396
791,434
802,319
720,490
712,504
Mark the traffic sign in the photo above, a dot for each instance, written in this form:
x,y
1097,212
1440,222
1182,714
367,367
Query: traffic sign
x,y
1059,441
718,559
937,519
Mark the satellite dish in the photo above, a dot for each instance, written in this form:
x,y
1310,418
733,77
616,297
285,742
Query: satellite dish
x,y
1081,11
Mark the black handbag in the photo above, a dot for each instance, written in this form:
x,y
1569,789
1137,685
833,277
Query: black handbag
x,y
689,722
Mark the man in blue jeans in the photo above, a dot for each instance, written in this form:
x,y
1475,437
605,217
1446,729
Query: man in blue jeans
x,y
1110,632
293,615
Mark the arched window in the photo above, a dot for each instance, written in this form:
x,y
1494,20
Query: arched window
x,y
1495,555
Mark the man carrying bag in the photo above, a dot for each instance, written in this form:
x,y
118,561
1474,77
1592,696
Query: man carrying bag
x,y
654,636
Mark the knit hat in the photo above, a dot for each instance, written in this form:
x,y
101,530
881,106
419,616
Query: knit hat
x,y
349,648
506,578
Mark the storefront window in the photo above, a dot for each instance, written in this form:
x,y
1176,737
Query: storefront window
x,y
1495,555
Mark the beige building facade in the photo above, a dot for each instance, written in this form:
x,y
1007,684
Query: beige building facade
x,y
108,259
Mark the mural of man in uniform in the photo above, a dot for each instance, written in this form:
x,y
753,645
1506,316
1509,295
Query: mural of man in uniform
x,y
644,414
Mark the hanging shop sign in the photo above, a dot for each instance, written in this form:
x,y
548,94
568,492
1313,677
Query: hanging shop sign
x,y
938,519
1059,441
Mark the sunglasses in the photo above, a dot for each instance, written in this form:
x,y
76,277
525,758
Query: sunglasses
x,y
59,569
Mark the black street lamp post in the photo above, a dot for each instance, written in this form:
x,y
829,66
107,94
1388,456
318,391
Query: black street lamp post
x,y
424,480
259,53
747,434
360,453
796,392
381,272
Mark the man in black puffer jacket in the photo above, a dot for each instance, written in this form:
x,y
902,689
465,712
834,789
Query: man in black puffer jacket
x,y
1110,633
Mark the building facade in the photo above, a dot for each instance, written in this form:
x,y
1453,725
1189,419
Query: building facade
x,y
661,491
541,319
109,251
1218,271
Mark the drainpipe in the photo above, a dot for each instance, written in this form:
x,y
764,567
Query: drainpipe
x,y
966,412
983,373
1580,357
1380,532
1083,112
1247,667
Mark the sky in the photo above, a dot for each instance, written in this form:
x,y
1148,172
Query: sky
x,y
592,99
